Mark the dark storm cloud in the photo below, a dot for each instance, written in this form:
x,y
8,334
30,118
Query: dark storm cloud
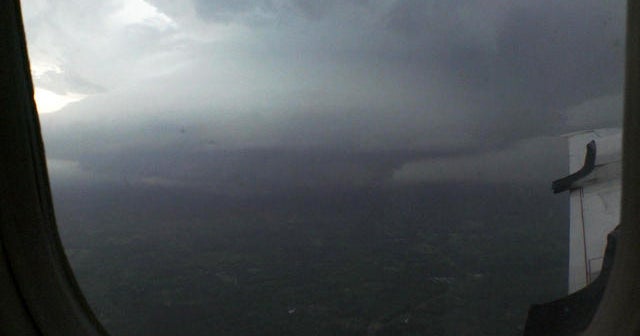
x,y
442,79
553,55
252,170
527,61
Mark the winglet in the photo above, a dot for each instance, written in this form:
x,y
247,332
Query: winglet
x,y
566,182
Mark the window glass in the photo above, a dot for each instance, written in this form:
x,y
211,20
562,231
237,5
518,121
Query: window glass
x,y
297,167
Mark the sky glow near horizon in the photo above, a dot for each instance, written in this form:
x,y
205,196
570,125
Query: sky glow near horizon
x,y
49,102
435,84
129,13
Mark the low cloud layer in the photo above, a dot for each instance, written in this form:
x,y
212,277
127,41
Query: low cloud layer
x,y
526,162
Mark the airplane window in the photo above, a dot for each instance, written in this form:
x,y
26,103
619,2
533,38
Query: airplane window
x,y
296,167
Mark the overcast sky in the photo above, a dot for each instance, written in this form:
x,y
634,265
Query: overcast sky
x,y
255,95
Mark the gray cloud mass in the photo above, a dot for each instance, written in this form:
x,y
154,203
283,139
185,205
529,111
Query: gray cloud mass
x,y
224,90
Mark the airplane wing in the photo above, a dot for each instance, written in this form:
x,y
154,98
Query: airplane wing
x,y
594,186
595,191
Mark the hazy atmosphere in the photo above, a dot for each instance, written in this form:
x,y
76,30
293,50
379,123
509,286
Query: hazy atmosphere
x,y
316,148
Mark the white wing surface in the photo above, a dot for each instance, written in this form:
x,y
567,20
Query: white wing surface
x,y
595,191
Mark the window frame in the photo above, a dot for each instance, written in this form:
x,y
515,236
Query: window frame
x,y
38,292
618,313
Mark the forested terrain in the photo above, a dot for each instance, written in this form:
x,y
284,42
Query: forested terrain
x,y
450,259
